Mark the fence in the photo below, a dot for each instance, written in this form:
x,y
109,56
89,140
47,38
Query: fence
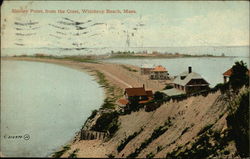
x,y
153,106
92,135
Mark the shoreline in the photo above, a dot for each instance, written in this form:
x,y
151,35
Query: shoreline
x,y
86,70
165,57
64,63
134,79
112,91
177,118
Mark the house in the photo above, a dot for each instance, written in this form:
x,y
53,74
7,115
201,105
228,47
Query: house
x,y
159,73
138,94
190,82
146,69
228,73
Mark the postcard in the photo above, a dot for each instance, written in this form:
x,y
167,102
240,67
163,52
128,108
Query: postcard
x,y
125,79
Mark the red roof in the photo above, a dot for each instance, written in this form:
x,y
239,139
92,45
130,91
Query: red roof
x,y
149,93
135,91
123,101
159,69
230,71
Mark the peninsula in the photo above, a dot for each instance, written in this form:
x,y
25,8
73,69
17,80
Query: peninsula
x,y
169,130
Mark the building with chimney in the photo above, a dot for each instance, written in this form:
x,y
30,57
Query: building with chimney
x,y
159,73
136,94
190,82
228,74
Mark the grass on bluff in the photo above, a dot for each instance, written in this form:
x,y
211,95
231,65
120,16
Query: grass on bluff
x,y
127,140
202,147
114,92
128,68
107,122
156,133
61,152
150,155
204,129
73,154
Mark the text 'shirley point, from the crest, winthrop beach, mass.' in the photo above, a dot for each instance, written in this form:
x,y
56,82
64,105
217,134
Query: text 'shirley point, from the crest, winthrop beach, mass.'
x,y
73,11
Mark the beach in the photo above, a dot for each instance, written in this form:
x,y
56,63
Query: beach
x,y
116,74
178,117
117,77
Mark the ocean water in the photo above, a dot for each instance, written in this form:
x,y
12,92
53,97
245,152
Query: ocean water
x,y
43,106
210,68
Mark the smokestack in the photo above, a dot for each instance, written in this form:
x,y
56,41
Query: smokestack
x,y
189,69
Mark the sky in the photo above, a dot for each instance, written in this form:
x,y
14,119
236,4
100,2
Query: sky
x,y
151,24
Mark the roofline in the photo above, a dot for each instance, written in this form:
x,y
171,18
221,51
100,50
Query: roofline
x,y
199,85
190,80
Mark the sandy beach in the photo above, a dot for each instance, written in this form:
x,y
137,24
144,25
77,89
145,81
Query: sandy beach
x,y
117,76
181,117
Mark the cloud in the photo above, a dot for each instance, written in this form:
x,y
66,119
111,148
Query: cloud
x,y
215,27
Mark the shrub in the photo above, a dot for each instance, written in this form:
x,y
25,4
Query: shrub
x,y
239,75
158,95
221,86
168,86
205,129
108,104
201,148
226,152
128,68
73,154
156,133
238,123
61,152
93,114
127,140
159,148
185,130
133,106
107,122
150,155
111,156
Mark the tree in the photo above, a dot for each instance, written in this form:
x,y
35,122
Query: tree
x,y
240,75
158,95
238,124
134,105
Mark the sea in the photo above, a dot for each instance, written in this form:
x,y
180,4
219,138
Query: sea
x,y
43,106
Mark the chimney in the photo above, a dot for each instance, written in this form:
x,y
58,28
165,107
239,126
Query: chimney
x,y
189,69
143,86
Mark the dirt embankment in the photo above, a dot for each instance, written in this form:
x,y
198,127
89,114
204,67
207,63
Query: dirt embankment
x,y
114,78
173,128
196,125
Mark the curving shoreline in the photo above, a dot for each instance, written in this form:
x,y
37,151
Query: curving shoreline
x,y
170,130
112,77
118,71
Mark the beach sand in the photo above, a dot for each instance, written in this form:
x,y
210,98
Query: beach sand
x,y
188,117
117,76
